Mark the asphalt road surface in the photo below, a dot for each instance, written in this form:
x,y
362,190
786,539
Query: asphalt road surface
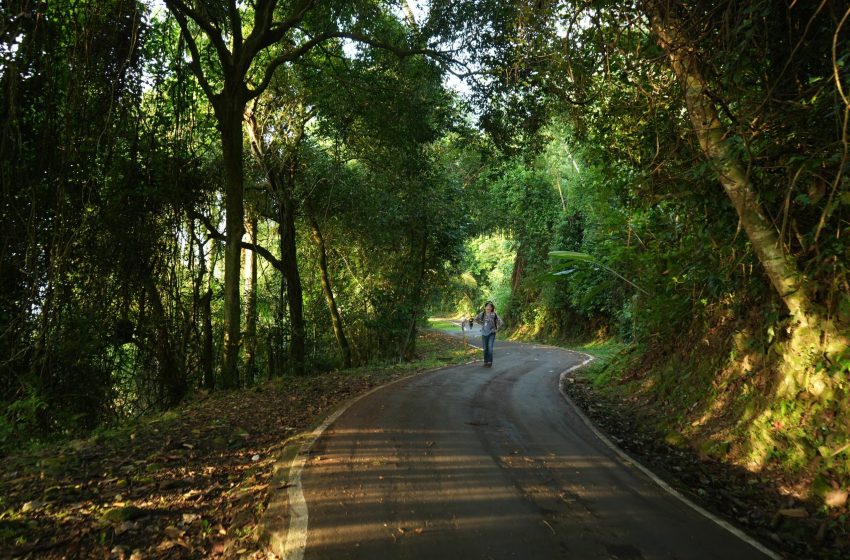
x,y
471,462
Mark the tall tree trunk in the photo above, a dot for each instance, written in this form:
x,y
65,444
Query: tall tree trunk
x,y
780,267
282,180
237,54
171,374
205,312
230,121
341,340
409,16
282,308
294,294
207,361
251,298
410,342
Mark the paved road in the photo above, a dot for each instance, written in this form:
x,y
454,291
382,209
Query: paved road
x,y
470,462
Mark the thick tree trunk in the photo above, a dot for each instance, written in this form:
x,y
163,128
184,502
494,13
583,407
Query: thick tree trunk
x,y
230,121
294,294
410,342
281,182
780,267
336,320
250,299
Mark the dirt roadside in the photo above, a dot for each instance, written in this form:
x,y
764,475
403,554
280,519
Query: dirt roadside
x,y
751,500
189,483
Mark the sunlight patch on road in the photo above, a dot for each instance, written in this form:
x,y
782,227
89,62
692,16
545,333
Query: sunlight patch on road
x,y
355,533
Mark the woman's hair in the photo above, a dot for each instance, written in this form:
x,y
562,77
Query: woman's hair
x,y
490,303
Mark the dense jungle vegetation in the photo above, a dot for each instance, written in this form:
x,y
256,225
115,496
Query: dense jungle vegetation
x,y
203,194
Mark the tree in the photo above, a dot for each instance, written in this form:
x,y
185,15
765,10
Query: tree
x,y
239,70
327,290
724,77
713,137
233,66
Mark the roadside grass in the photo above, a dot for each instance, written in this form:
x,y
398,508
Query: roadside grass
x,y
610,358
433,349
440,350
191,482
610,355
443,325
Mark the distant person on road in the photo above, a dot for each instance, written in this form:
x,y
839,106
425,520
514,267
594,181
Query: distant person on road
x,y
490,323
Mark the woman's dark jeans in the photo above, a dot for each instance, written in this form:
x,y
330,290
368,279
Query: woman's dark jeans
x,y
487,341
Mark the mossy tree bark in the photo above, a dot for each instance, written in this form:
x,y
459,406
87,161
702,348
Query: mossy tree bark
x,y
712,135
815,327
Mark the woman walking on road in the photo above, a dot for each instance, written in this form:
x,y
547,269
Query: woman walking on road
x,y
490,323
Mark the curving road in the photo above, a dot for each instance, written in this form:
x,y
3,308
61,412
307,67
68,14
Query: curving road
x,y
469,462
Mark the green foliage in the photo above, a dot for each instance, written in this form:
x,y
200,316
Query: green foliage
x,y
22,417
483,274
609,357
591,118
581,149
443,325
579,258
111,299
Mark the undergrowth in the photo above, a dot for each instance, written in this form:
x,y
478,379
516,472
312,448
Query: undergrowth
x,y
745,399
741,391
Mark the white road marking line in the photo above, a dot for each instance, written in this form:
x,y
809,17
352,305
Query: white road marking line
x,y
652,476
296,536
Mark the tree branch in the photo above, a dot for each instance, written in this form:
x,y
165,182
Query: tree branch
x,y
236,26
262,251
396,50
306,46
265,32
195,62
206,25
275,32
263,12
285,57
